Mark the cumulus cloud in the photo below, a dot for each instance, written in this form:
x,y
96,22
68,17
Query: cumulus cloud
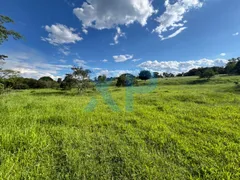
x,y
236,34
173,17
105,14
105,60
223,54
60,34
23,62
122,58
117,36
179,67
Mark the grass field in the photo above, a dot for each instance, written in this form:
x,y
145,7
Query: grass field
x,y
180,130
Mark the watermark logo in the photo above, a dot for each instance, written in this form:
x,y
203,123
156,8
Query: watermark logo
x,y
103,88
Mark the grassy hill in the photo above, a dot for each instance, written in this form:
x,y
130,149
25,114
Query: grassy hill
x,y
186,128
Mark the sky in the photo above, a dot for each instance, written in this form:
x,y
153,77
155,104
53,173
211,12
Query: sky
x,y
112,37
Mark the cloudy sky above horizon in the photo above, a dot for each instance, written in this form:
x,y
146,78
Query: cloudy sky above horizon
x,y
117,36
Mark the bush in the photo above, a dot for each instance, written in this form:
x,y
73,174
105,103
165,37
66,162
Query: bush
x,y
1,88
20,86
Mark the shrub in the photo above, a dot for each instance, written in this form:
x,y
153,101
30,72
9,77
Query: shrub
x,y
20,86
1,88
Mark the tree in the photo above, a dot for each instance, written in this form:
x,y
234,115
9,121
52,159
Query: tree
x,y
209,73
102,78
5,33
82,78
7,73
231,66
59,80
46,78
145,75
68,82
237,68
126,80
156,75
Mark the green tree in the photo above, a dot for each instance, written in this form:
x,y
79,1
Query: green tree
x,y
156,75
102,78
209,73
68,82
82,78
46,78
230,67
126,80
145,75
5,33
8,73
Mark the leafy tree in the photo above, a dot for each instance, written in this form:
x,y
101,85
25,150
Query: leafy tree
x,y
102,78
46,78
180,74
59,80
145,75
209,73
82,78
237,68
7,73
155,74
126,80
5,33
168,74
68,82
231,66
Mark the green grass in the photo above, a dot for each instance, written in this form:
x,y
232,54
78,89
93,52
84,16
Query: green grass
x,y
177,131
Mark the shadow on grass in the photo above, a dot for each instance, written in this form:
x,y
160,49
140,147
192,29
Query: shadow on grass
x,y
60,93
199,81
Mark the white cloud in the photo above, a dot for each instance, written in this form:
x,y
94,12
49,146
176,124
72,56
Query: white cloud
x,y
105,60
80,63
62,61
172,18
117,36
174,34
114,73
179,67
69,3
122,58
236,34
105,14
135,60
61,34
84,30
64,50
223,54
34,69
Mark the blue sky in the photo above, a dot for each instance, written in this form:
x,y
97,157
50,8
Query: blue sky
x,y
112,37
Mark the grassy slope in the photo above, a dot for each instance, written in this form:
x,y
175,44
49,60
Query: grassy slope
x,y
174,132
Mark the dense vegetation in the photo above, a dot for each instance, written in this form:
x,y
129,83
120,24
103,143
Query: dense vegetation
x,y
174,132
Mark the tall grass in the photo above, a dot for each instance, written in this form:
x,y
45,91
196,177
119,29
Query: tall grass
x,y
173,132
